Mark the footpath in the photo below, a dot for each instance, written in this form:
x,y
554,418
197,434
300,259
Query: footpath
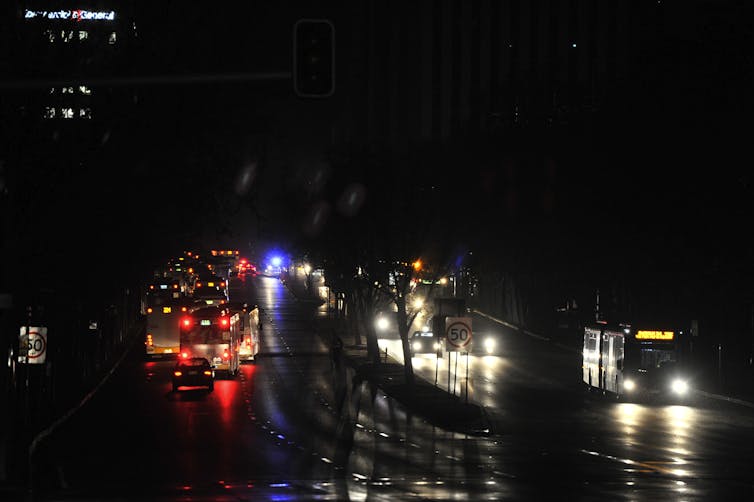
x,y
420,398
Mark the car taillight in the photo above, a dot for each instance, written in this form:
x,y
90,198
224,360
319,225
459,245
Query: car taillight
x,y
149,310
198,284
186,321
223,321
178,373
208,373
226,355
184,355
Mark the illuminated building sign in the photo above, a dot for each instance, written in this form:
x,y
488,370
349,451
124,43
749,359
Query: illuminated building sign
x,y
75,15
654,335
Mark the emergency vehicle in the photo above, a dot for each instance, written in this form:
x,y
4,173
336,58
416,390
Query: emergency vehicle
x,y
246,327
205,332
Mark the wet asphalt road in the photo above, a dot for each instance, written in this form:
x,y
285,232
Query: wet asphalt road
x,y
552,437
275,431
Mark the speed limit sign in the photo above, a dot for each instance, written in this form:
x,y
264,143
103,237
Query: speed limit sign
x,y
32,344
458,335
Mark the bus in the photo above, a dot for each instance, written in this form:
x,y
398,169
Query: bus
x,y
205,332
635,363
246,327
160,290
162,335
211,289
223,262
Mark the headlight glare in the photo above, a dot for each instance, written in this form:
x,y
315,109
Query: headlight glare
x,y
680,386
382,324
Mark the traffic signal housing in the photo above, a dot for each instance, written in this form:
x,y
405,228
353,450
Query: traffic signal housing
x,y
314,58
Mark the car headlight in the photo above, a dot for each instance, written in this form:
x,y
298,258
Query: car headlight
x,y
417,346
382,324
489,345
679,386
629,385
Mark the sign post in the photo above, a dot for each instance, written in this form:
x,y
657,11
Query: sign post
x,y
458,338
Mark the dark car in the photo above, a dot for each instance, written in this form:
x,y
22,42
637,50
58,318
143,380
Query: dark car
x,y
425,342
193,372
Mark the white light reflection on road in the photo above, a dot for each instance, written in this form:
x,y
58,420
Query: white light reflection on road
x,y
484,372
272,294
629,416
656,440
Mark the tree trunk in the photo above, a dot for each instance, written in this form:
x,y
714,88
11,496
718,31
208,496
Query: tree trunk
x,y
351,315
366,319
403,330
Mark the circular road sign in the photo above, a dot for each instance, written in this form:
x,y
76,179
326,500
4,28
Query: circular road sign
x,y
36,344
32,344
458,333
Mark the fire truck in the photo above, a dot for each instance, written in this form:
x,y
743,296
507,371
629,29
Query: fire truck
x,y
246,326
205,332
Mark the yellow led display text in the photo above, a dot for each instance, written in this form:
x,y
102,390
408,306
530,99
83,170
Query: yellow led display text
x,y
654,335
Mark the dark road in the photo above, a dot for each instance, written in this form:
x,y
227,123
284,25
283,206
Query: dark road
x,y
275,431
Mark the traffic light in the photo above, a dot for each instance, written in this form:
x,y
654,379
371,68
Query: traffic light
x,y
314,58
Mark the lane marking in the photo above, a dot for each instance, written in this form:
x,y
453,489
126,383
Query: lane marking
x,y
650,465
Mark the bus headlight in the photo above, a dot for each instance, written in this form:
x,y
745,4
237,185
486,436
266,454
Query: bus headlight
x,y
679,386
489,345
629,385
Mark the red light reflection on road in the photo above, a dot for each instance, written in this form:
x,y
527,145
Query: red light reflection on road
x,y
246,376
150,370
224,392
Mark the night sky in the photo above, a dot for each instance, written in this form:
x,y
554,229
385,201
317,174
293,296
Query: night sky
x,y
658,176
